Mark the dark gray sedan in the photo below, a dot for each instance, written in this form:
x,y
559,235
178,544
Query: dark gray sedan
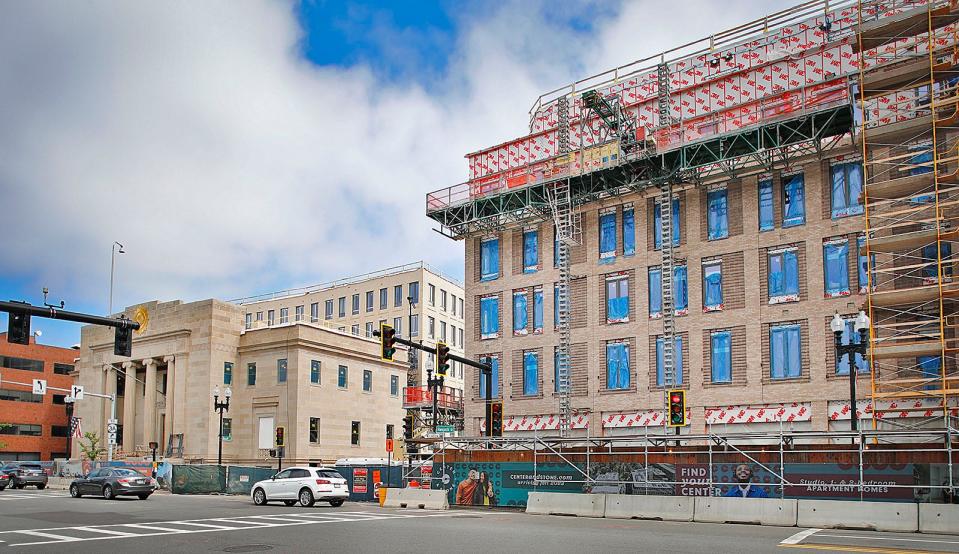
x,y
22,474
111,482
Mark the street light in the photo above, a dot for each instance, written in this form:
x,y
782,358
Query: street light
x,y
113,256
861,326
221,407
68,401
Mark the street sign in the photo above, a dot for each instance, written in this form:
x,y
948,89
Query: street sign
x,y
77,392
39,386
444,429
389,445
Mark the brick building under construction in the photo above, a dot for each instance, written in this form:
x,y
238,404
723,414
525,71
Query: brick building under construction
x,y
695,220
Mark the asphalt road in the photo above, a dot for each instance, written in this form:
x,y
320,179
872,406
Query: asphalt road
x,y
51,521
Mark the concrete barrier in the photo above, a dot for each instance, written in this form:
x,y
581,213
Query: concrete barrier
x,y
416,498
760,511
566,504
666,508
939,518
844,514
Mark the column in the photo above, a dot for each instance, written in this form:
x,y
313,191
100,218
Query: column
x,y
129,406
170,398
150,401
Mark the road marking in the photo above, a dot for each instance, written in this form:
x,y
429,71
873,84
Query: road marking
x,y
58,538
105,531
798,537
867,549
197,524
868,538
152,527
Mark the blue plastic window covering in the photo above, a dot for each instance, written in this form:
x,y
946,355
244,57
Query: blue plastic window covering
x,y
617,365
836,268
783,274
555,305
494,362
489,316
655,291
658,225
556,370
489,259
929,271
846,188
721,357
717,216
677,356
629,232
794,200
766,214
530,251
864,266
850,336
520,319
929,365
713,286
607,236
921,162
681,297
538,310
617,300
785,353
530,373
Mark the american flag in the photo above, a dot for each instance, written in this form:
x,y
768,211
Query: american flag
x,y
75,430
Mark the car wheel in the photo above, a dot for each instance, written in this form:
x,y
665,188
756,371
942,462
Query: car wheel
x,y
108,492
143,496
336,503
306,498
41,486
74,491
259,497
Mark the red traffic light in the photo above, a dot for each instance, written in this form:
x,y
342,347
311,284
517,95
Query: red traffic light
x,y
675,398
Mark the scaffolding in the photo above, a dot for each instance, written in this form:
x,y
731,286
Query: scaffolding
x,y
908,134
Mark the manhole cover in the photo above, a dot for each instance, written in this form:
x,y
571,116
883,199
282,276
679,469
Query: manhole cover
x,y
248,548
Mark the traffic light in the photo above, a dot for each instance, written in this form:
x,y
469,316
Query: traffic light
x,y
280,439
18,328
123,342
496,414
387,340
442,359
677,408
408,427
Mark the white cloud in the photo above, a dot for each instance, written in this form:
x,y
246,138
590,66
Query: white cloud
x,y
197,135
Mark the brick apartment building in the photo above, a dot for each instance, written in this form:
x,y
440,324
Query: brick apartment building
x,y
35,427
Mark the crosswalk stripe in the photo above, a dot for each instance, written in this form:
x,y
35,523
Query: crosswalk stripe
x,y
57,538
155,527
105,531
198,524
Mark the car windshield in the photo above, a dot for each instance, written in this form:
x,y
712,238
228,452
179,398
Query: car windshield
x,y
328,473
30,466
124,472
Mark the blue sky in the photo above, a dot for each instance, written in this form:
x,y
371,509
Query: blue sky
x,y
237,148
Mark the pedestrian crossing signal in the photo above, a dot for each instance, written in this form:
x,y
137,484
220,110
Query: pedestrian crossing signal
x,y
676,408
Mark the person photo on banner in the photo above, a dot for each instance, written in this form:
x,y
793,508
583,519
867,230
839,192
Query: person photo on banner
x,y
483,494
745,487
466,490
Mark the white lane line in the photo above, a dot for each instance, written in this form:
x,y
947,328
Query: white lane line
x,y
800,536
871,538
105,531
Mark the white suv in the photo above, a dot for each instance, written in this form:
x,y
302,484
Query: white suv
x,y
305,485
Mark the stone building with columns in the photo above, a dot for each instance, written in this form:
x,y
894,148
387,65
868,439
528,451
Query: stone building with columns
x,y
308,376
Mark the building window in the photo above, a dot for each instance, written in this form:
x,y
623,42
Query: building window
x,y
785,352
607,234
783,276
342,306
342,377
369,329
227,373
462,313
443,331
453,334
284,315
629,230
355,433
530,251
850,336
384,299
431,294
556,383
59,399
259,316
59,430
270,317
519,313
314,312
355,303
655,292
248,321
21,429
712,287
717,216
846,189
21,396
863,269
931,264
369,301
415,325
394,385
430,327
461,338
835,255
658,224
766,214
355,329
228,428
367,380
530,373
398,325
617,365
298,312
315,372
617,299
721,357
677,378
494,363
443,300
794,200
415,291
397,296
680,291
489,259
489,317
453,306
314,430
929,367
62,369
537,311
251,374
328,309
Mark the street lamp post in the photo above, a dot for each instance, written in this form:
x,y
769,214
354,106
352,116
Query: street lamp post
x,y
221,407
113,258
862,327
68,401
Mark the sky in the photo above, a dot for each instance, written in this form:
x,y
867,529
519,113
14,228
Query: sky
x,y
238,148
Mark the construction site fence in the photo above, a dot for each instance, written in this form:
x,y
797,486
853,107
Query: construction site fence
x,y
879,466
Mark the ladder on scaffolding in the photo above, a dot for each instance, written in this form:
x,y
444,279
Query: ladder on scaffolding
x,y
665,203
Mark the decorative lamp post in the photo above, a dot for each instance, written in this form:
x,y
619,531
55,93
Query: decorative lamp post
x,y
861,326
221,407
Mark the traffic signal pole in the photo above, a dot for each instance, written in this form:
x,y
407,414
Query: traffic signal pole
x,y
21,312
431,350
